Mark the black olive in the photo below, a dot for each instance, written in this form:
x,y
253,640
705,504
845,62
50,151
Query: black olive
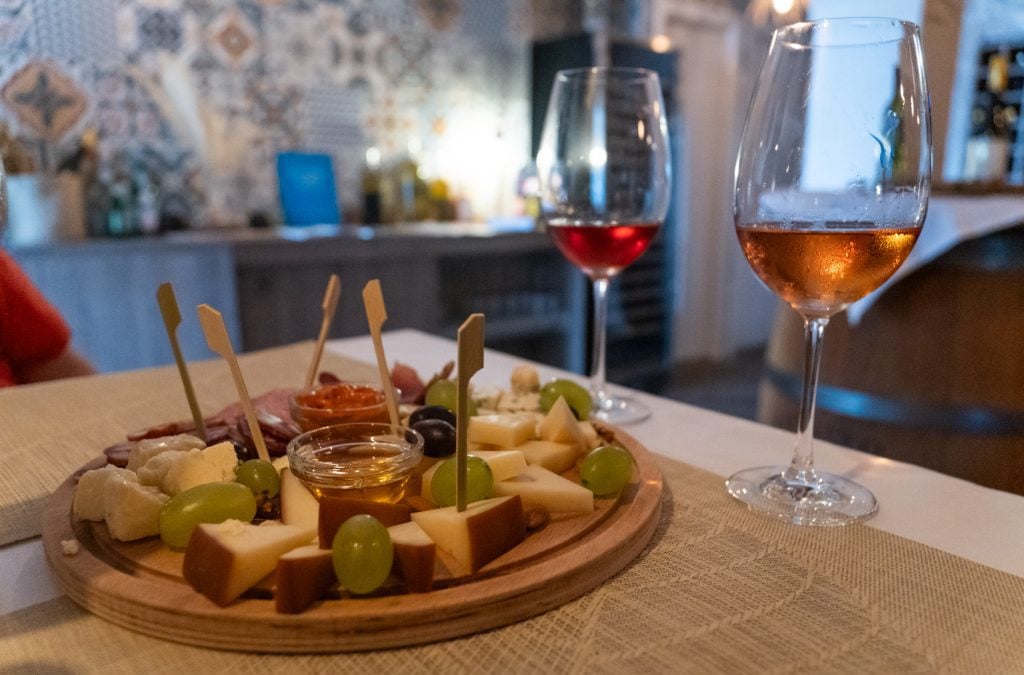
x,y
432,412
438,437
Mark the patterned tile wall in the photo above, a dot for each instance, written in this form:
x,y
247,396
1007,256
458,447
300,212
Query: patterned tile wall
x,y
202,94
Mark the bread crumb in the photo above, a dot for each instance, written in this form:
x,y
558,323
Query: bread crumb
x,y
70,547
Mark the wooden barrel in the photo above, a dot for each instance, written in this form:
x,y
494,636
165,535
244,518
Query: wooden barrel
x,y
933,374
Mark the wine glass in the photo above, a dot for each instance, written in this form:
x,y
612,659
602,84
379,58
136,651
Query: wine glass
x,y
604,171
832,182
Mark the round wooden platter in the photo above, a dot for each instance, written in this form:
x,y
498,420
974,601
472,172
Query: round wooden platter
x,y
139,586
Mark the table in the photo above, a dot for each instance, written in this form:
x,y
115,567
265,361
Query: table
x,y
977,524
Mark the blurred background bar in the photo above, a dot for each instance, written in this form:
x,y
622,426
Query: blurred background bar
x,y
143,142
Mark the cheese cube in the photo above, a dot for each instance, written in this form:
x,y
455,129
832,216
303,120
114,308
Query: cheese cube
x,y
503,464
415,553
132,511
557,457
548,489
298,505
212,465
505,431
478,535
226,559
560,426
303,576
151,447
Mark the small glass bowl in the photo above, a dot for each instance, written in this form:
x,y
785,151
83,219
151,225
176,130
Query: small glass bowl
x,y
357,460
337,403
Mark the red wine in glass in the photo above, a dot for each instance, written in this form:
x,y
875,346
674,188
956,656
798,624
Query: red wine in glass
x,y
602,251
605,177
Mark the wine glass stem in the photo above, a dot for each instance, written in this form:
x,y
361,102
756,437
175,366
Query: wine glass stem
x,y
597,374
802,466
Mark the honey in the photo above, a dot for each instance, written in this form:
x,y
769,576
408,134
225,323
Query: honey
x,y
371,461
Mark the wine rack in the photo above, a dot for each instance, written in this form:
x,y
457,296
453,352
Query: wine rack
x,y
996,110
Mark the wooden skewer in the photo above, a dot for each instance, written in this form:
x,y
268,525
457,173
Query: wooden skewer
x,y
470,360
376,315
172,319
218,340
329,305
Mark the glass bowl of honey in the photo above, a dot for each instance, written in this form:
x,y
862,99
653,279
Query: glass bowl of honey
x,y
363,460
337,403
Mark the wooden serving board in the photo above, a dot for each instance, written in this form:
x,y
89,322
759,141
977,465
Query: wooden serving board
x,y
139,585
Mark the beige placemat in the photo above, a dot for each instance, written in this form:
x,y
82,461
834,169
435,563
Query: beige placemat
x,y
47,431
719,589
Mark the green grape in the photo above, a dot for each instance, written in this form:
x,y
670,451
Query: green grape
x,y
444,393
606,470
259,476
479,480
575,395
207,503
362,554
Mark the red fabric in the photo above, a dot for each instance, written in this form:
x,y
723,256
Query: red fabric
x,y
32,331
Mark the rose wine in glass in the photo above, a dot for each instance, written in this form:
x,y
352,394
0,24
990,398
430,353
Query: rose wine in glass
x,y
605,175
832,183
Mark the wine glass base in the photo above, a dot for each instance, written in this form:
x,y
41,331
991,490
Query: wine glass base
x,y
619,410
822,499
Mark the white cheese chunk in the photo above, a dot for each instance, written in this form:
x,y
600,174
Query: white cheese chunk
x,y
540,486
155,470
513,402
214,464
92,485
151,447
132,511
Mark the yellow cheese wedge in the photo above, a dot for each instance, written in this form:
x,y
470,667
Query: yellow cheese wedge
x,y
478,535
540,486
557,457
590,433
560,426
224,560
298,505
504,431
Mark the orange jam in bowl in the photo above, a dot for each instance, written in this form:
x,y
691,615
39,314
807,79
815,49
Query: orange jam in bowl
x,y
361,460
337,403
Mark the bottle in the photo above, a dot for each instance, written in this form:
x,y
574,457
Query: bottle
x,y
372,187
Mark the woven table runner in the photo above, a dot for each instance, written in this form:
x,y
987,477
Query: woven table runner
x,y
49,430
719,589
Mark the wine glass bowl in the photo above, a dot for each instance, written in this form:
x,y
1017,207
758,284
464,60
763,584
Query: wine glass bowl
x,y
604,168
833,177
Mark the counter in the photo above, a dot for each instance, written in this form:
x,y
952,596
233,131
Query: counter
x,y
268,284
